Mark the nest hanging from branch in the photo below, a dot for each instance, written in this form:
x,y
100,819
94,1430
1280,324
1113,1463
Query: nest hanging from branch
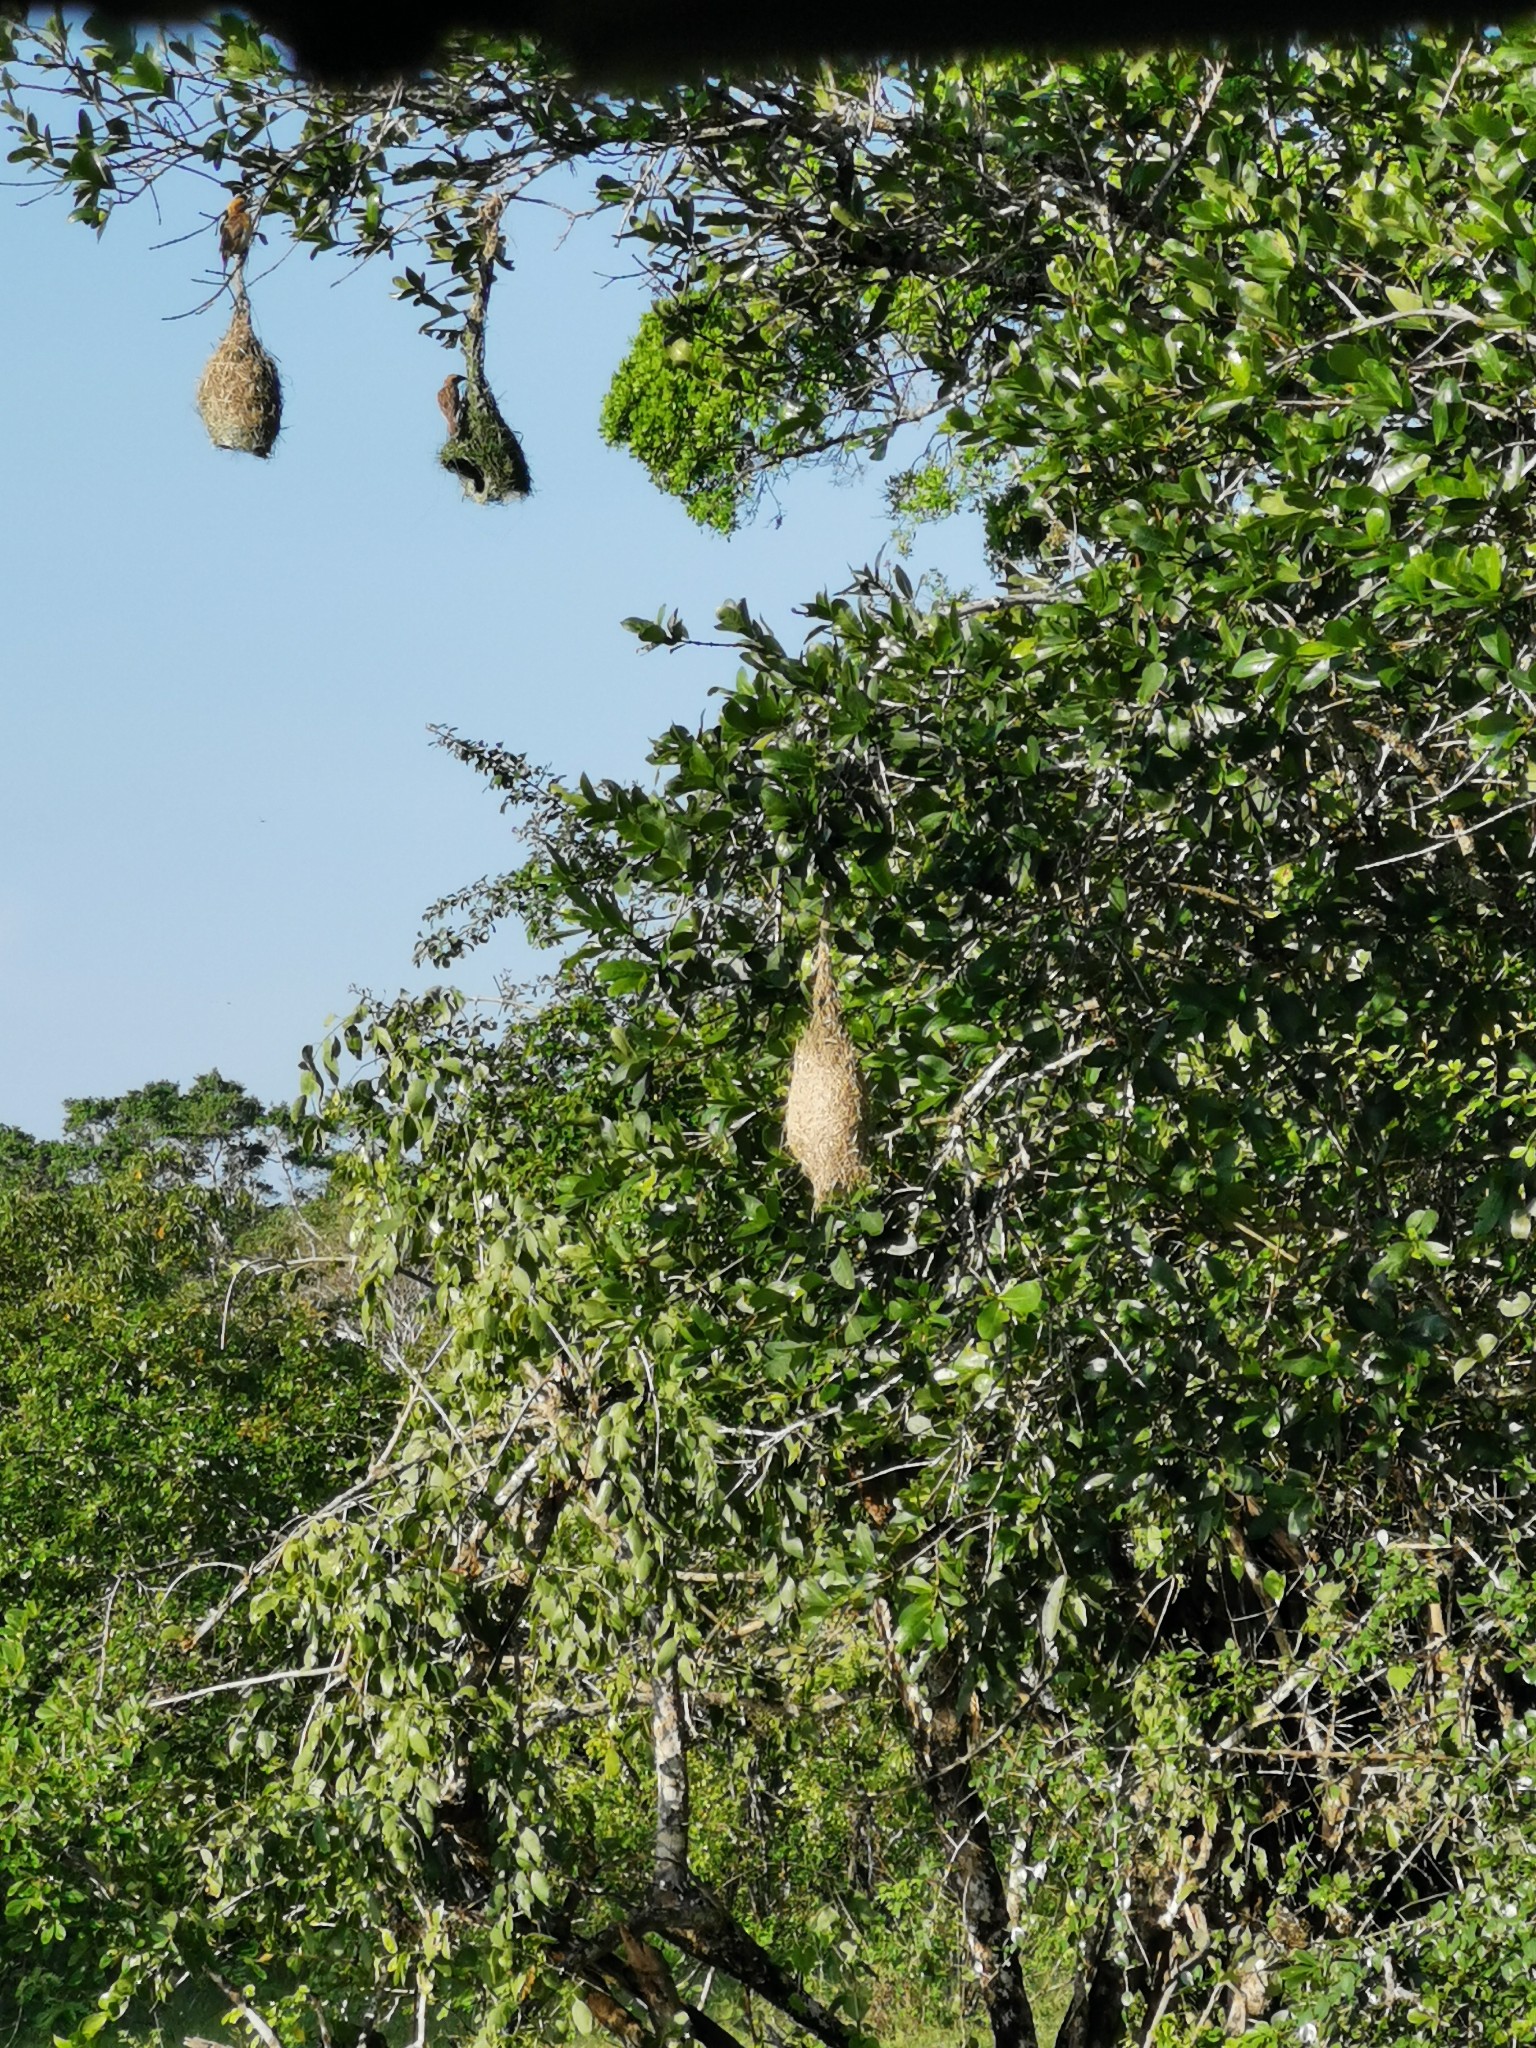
x,y
824,1113
481,450
239,393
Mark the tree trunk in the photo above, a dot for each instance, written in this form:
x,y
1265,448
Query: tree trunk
x,y
1095,2017
941,1745
672,1807
711,1935
685,1915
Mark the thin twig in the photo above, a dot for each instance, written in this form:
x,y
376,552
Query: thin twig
x,y
106,1632
203,1692
1176,161
1434,846
248,2013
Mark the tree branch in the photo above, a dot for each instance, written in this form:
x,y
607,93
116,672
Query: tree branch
x,y
672,1876
203,1692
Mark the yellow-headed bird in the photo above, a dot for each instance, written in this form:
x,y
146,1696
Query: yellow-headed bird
x,y
235,229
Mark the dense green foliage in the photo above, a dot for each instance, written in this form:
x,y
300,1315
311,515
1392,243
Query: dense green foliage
x,y
668,403
1183,1316
162,1413
212,1131
1119,1512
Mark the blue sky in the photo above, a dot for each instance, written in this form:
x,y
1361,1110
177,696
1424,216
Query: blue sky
x,y
221,811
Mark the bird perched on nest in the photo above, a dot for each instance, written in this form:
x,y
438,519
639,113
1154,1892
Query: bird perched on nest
x,y
236,228
455,457
451,400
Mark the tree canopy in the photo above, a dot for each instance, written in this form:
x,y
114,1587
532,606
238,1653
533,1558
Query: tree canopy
x,y
1126,1489
161,1412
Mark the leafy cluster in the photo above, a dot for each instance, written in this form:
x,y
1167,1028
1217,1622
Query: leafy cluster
x,y
1173,1372
161,1415
671,404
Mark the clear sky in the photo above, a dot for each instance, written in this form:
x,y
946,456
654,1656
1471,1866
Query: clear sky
x,y
220,810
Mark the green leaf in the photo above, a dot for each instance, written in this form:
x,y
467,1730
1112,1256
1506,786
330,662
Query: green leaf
x,y
1050,1611
915,1623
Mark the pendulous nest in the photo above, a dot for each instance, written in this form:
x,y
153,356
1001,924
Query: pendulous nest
x,y
483,452
824,1114
239,394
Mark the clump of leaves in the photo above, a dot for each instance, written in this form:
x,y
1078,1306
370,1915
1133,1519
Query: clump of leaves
x,y
675,405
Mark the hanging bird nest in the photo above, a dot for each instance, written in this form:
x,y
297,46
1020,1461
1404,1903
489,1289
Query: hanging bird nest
x,y
239,394
481,449
824,1115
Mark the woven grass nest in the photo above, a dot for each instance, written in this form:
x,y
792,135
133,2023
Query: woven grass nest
x,y
239,394
484,453
824,1113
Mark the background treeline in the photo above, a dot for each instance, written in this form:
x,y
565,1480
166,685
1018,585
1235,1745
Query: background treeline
x,y
176,1383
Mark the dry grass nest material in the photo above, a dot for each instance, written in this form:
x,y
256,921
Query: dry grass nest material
x,y
485,454
239,394
824,1114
